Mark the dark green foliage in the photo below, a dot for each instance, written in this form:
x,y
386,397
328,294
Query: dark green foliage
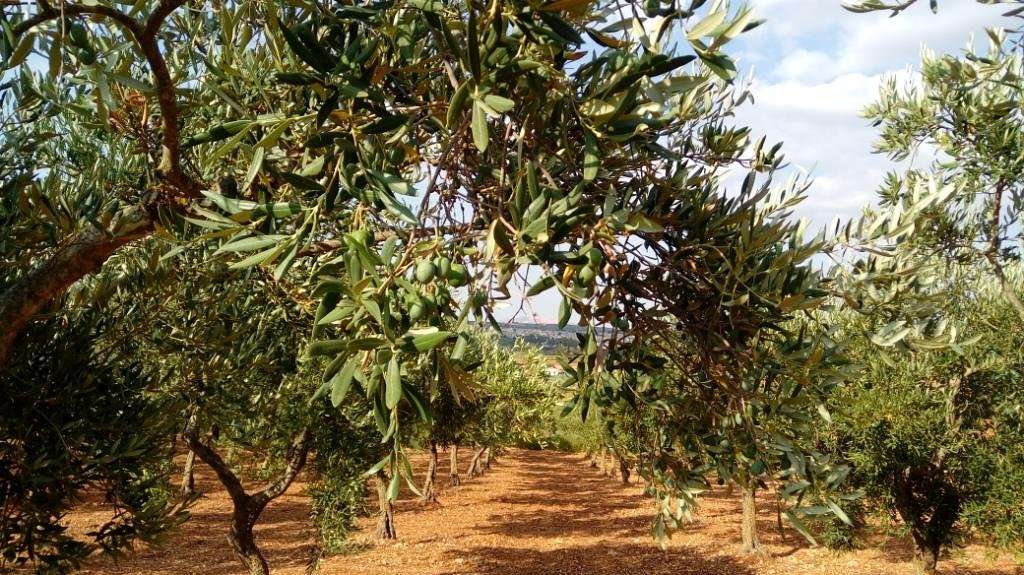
x,y
346,446
836,534
934,437
79,420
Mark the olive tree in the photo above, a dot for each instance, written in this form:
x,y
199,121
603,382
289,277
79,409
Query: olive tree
x,y
967,108
79,418
488,111
230,344
862,6
933,435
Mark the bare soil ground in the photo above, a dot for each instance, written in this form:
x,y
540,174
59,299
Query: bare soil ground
x,y
534,513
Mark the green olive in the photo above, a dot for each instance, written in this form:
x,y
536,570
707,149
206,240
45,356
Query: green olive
x,y
586,275
425,271
457,275
444,266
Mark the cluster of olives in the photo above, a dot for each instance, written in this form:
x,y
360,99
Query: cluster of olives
x,y
424,302
454,272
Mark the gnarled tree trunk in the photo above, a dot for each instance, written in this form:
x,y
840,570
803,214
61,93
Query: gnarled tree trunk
x,y
624,471
453,473
248,507
386,523
83,255
475,466
926,555
751,544
930,507
429,494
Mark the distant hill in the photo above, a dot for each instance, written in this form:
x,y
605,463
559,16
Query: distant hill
x,y
549,337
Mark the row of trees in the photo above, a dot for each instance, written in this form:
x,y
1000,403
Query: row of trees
x,y
914,372
212,205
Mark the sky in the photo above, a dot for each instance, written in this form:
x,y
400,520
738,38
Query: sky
x,y
815,66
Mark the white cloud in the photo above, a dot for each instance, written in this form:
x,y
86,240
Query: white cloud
x,y
873,41
804,64
843,96
818,65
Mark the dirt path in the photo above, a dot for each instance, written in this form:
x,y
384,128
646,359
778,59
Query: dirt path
x,y
534,513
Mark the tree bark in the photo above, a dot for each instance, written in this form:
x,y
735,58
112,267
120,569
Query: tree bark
x,y
995,245
188,477
926,556
475,467
87,251
624,471
487,458
83,255
248,507
927,538
751,544
453,474
386,523
593,459
429,495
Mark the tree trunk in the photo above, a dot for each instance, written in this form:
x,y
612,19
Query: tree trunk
x,y
593,459
428,484
386,523
751,545
475,468
624,471
926,556
248,507
188,477
927,539
995,246
487,458
453,474
82,255
244,517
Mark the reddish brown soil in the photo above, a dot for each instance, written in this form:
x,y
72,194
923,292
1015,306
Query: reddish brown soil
x,y
534,513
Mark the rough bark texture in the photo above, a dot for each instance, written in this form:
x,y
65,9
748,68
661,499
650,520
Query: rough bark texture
x,y
624,471
751,545
487,457
475,464
929,516
248,507
386,523
453,473
927,558
429,494
83,255
994,249
188,478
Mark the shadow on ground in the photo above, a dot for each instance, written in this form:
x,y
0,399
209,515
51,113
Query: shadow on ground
x,y
611,559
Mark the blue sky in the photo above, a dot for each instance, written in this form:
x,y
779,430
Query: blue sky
x,y
815,66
